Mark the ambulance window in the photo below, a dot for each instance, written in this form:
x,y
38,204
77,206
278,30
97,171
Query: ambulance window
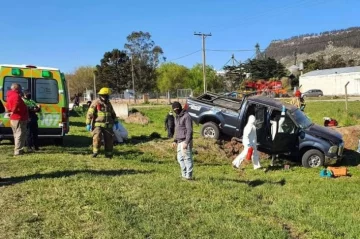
x,y
46,91
24,82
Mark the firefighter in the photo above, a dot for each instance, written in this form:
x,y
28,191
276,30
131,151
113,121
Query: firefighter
x,y
100,120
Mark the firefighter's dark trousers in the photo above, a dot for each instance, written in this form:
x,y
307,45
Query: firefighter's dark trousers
x,y
108,135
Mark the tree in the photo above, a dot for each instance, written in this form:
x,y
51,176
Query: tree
x,y
196,81
351,62
234,76
321,62
114,71
335,61
81,79
265,68
171,76
146,56
311,65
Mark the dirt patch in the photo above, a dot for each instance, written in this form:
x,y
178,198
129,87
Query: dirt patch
x,y
234,148
351,136
137,118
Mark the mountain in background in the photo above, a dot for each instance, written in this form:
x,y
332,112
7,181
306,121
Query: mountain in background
x,y
345,43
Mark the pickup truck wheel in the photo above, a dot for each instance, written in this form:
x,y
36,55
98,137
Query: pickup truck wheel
x,y
210,130
313,158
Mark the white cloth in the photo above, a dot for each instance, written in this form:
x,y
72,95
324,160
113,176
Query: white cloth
x,y
274,125
121,133
249,140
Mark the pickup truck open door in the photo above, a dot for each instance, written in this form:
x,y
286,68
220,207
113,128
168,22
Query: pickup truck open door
x,y
286,138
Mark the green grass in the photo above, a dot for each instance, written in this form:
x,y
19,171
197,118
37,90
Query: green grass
x,y
61,192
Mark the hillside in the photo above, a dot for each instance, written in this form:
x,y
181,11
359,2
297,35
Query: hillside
x,y
342,42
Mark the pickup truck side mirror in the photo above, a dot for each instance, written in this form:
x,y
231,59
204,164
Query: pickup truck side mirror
x,y
302,134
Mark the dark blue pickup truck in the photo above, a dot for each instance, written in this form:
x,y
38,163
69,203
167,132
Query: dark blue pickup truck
x,y
314,145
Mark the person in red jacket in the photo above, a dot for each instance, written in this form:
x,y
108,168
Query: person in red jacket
x,y
19,117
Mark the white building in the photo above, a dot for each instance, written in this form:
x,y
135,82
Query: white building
x,y
332,81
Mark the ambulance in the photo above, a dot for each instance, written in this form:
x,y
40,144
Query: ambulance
x,y
48,89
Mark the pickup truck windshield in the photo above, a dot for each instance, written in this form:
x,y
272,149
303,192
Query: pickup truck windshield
x,y
300,118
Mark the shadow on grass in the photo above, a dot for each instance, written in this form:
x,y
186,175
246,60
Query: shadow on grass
x,y
256,182
77,124
350,158
69,173
134,140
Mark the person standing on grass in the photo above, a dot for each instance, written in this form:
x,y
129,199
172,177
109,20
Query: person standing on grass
x,y
170,124
32,125
249,140
18,117
183,140
100,119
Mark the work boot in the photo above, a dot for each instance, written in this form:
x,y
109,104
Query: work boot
x,y
94,155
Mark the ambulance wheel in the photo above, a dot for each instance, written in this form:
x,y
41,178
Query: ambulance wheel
x,y
59,141
313,158
210,130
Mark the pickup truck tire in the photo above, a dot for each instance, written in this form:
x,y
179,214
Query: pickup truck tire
x,y
210,130
313,158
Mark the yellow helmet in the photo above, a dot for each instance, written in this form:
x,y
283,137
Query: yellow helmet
x,y
104,91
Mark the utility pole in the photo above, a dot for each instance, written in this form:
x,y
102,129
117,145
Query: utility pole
x,y
203,36
133,78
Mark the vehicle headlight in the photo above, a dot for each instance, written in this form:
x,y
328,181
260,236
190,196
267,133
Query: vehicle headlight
x,y
333,149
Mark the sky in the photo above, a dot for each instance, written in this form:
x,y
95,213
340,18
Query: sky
x,y
68,34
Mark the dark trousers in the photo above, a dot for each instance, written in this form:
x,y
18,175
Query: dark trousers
x,y
171,132
32,134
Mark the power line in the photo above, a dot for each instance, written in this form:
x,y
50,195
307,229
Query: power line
x,y
178,58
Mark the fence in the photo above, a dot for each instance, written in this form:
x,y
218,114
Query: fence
x,y
153,97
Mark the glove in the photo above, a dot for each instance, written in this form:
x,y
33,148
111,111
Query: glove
x,y
283,108
88,127
117,125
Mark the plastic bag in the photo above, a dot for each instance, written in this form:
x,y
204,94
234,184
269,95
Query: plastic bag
x,y
120,134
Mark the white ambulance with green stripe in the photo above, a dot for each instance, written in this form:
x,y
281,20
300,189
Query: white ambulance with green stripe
x,y
48,89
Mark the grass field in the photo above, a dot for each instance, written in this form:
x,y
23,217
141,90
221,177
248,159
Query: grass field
x,y
61,192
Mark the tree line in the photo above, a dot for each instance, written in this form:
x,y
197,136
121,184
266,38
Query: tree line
x,y
142,60
320,63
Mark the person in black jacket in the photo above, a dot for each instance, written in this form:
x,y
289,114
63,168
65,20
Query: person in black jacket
x,y
170,124
183,140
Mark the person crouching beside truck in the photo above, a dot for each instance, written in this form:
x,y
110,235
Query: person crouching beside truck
x,y
18,117
100,119
32,125
183,140
249,140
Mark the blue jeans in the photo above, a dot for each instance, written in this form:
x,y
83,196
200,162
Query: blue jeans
x,y
184,157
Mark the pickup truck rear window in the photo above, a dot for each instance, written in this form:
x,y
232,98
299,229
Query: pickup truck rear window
x,y
227,104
